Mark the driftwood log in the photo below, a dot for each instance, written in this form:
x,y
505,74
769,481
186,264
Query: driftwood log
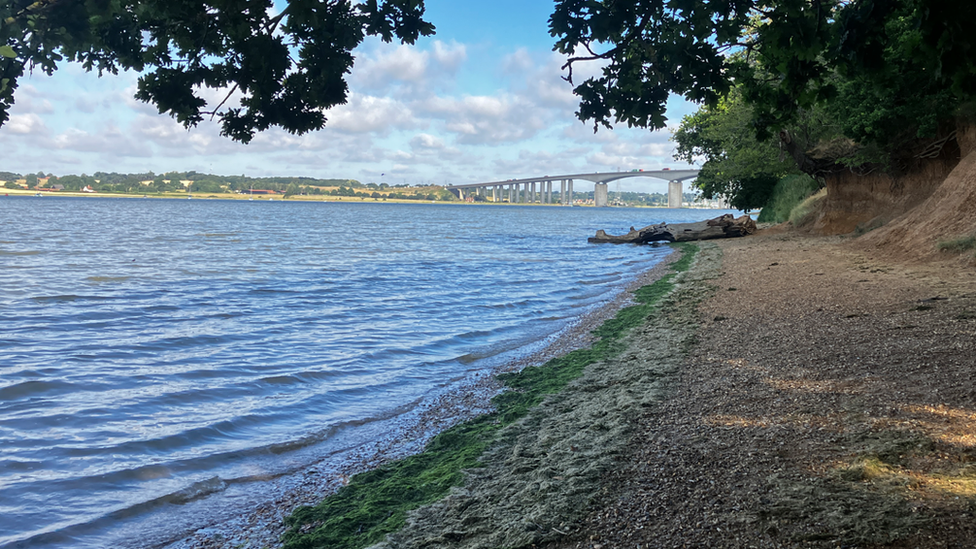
x,y
726,226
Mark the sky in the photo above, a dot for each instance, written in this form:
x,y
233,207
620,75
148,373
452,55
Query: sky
x,y
482,100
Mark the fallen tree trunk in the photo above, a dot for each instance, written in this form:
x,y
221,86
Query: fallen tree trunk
x,y
726,226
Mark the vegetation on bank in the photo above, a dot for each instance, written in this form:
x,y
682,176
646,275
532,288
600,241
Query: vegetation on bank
x,y
785,87
200,183
959,245
376,503
787,194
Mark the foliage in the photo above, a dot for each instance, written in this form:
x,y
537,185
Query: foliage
x,y
805,211
786,56
788,193
287,67
737,165
957,245
376,503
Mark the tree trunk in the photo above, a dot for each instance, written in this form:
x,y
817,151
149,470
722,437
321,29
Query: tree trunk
x,y
725,226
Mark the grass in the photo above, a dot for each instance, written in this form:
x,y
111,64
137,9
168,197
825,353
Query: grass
x,y
787,194
376,502
804,213
958,245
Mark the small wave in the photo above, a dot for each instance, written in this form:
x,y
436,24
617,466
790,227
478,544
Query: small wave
x,y
605,279
32,388
280,380
195,491
68,298
272,291
31,252
108,278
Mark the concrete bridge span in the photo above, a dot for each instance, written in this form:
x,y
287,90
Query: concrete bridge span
x,y
518,191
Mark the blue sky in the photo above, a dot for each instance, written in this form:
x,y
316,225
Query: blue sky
x,y
482,100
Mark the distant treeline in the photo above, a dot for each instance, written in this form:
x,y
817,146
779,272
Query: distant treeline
x,y
192,181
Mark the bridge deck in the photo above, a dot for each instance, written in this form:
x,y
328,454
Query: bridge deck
x,y
666,175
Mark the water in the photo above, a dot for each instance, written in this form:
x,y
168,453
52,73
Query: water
x,y
153,352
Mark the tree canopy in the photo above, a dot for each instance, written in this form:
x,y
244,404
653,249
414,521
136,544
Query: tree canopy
x,y
784,55
862,82
287,66
737,165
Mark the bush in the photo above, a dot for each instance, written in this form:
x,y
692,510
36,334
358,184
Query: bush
x,y
804,212
959,245
788,193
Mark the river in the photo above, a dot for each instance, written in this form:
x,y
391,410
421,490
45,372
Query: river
x,y
155,353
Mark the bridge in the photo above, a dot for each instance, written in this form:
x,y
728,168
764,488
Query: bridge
x,y
518,191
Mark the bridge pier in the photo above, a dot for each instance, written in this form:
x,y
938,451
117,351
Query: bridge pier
x,y
526,191
601,196
675,194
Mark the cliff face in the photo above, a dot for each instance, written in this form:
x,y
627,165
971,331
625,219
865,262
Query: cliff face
x,y
933,201
854,200
948,213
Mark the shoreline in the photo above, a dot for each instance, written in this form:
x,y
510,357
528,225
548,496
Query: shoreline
x,y
544,471
263,526
791,391
827,402
309,199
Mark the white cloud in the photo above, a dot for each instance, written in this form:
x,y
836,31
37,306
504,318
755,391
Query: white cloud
x,y
426,141
485,119
518,63
365,113
26,124
406,70
449,57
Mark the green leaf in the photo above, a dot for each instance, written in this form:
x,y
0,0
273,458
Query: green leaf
x,y
7,51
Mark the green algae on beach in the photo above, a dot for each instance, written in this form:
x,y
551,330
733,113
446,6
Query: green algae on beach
x,y
376,503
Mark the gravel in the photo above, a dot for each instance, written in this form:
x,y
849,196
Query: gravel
x,y
829,402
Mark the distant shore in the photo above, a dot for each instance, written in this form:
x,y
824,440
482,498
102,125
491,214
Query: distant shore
x,y
290,198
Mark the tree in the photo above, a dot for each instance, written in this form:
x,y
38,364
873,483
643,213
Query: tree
x,y
737,165
791,54
287,67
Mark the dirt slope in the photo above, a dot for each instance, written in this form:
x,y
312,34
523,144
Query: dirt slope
x,y
949,213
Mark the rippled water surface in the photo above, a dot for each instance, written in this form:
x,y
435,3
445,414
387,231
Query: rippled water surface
x,y
153,351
